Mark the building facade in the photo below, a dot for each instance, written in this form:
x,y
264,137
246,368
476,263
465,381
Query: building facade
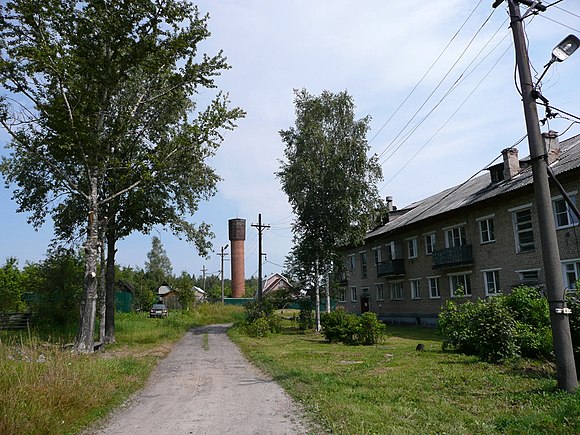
x,y
475,240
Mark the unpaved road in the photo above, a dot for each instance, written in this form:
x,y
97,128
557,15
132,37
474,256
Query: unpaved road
x,y
206,386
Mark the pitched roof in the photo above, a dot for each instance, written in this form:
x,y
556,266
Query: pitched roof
x,y
475,190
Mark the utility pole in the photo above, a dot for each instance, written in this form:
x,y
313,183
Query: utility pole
x,y
223,254
203,270
566,371
260,228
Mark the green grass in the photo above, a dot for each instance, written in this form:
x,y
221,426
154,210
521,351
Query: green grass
x,y
391,388
45,389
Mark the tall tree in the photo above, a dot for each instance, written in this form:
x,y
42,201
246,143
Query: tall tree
x,y
158,264
330,181
103,125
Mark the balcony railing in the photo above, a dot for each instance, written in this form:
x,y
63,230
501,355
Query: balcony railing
x,y
455,256
392,267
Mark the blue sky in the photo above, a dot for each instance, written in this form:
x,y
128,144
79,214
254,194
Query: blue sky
x,y
379,52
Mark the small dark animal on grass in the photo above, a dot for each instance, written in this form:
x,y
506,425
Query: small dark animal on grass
x,y
420,347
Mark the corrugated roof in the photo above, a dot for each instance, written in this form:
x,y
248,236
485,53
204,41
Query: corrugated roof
x,y
476,190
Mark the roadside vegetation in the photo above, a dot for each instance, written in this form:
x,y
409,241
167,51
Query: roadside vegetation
x,y
45,388
391,387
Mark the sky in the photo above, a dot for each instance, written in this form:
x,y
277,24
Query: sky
x,y
437,79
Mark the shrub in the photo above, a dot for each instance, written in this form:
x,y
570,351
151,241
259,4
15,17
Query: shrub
x,y
340,326
371,329
258,328
256,309
494,331
456,328
305,316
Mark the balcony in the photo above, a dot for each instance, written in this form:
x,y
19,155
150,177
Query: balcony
x,y
455,256
389,268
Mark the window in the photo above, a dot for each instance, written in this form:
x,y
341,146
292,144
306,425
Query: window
x,y
377,255
460,285
429,243
412,247
529,276
486,233
455,237
351,262
380,292
353,296
434,292
524,231
491,282
571,274
363,265
397,290
563,215
342,295
415,289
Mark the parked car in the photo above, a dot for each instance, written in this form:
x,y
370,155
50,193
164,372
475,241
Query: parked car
x,y
158,310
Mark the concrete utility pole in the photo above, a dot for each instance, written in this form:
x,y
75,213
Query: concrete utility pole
x,y
223,254
203,270
260,228
566,371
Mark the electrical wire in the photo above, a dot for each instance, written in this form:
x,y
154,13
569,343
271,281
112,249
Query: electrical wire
x,y
448,120
426,73
561,24
466,73
439,84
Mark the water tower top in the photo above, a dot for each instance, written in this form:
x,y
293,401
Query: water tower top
x,y
237,229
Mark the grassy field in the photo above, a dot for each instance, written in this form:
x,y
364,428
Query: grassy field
x,y
45,389
392,388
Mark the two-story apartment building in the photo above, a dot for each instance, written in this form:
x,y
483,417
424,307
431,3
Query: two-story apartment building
x,y
475,240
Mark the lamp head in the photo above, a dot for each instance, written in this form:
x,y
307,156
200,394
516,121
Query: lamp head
x,y
565,48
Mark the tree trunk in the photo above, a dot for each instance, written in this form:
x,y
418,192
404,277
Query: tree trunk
x,y
85,341
328,292
317,291
102,290
110,282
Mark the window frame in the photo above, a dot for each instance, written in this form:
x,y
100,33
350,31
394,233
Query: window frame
x,y
571,219
412,248
353,294
466,281
450,237
566,270
415,285
430,243
437,287
525,246
363,264
396,287
488,232
342,294
495,282
380,295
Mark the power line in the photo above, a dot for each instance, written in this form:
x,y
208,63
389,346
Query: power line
x,y
426,73
439,84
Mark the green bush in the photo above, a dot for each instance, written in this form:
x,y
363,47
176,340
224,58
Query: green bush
x,y
500,327
258,328
305,316
494,331
456,328
343,327
256,309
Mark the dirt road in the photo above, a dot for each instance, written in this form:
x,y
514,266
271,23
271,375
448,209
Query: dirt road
x,y
206,386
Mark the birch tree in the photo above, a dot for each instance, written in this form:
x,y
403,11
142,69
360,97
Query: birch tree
x,y
98,102
330,181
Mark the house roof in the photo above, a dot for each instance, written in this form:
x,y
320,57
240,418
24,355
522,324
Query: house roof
x,y
476,190
274,282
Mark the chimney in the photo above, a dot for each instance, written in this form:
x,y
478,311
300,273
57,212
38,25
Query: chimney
x,y
511,163
552,146
389,203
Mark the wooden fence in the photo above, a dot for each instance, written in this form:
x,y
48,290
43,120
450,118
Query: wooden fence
x,y
15,320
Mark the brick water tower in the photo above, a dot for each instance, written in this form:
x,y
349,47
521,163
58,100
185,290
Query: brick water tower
x,y
237,234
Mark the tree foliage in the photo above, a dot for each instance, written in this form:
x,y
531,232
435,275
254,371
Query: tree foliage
x,y
106,136
330,182
10,287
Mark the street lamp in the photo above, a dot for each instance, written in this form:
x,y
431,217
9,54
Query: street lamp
x,y
561,52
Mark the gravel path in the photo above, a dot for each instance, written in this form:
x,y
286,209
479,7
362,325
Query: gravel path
x,y
206,386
